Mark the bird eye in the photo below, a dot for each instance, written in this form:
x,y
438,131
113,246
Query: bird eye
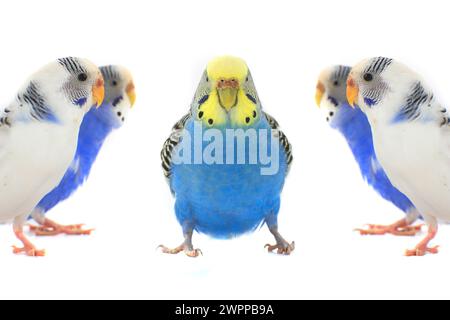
x,y
114,83
335,83
207,79
368,77
82,77
246,79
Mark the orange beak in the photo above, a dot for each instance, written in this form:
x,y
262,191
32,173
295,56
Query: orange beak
x,y
352,91
320,90
131,93
98,91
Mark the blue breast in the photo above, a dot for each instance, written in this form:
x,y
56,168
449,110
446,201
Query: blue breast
x,y
226,200
92,134
355,127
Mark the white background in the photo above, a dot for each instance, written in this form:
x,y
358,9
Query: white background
x,y
166,45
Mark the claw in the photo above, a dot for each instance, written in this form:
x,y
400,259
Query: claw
x,y
28,248
282,248
400,228
190,252
422,248
194,253
53,229
420,251
29,251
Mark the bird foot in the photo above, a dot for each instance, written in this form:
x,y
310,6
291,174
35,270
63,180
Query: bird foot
x,y
29,250
54,229
188,250
420,251
282,248
377,230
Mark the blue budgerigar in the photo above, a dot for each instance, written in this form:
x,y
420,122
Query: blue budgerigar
x,y
226,160
96,126
353,125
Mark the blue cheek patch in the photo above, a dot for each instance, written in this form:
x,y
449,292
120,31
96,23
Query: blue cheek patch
x,y
333,101
117,101
252,99
203,100
370,102
81,102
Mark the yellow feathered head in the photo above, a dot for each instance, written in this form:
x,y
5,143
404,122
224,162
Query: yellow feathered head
x,y
226,94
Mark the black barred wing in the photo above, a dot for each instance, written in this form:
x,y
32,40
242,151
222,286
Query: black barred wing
x,y
420,104
28,105
284,142
9,114
181,123
5,118
171,143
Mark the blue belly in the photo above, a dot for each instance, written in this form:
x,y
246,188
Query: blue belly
x,y
226,200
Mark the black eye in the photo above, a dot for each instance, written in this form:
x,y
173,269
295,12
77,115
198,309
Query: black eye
x,y
207,79
246,79
114,83
368,76
335,83
82,77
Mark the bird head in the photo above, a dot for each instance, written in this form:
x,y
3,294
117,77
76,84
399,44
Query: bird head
x,y
120,94
381,86
65,88
226,94
331,91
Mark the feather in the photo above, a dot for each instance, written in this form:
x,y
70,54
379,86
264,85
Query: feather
x,y
224,200
354,126
282,138
91,137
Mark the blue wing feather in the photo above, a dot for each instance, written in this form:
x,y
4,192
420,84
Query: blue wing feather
x,y
92,134
355,127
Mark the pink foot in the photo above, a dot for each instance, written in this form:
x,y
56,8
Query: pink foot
x,y
51,228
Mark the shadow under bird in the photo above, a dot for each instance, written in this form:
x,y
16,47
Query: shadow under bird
x,y
353,125
96,126
225,198
38,137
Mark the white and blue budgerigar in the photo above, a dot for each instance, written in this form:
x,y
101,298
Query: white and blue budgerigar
x,y
97,124
219,191
411,135
353,125
39,134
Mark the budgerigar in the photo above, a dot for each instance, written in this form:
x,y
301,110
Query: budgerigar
x,y
411,135
96,126
223,195
353,125
38,136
